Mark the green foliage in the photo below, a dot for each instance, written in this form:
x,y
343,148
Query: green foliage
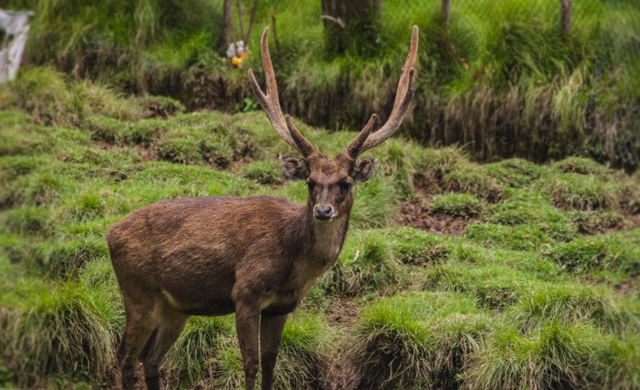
x,y
552,356
264,172
28,220
51,329
437,311
518,237
415,247
571,303
576,191
365,265
494,286
304,352
412,339
515,172
463,206
197,343
613,252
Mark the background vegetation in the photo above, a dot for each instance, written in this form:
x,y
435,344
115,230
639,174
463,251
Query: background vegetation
x,y
503,81
538,289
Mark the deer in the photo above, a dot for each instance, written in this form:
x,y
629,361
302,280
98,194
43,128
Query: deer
x,y
255,256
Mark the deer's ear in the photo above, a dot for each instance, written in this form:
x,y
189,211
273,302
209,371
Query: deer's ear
x,y
363,169
295,168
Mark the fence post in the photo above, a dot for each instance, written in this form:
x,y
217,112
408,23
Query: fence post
x,y
565,16
445,13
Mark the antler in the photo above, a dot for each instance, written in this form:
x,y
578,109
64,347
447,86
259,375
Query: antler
x,y
404,94
270,104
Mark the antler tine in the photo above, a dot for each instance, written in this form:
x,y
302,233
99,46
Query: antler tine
x,y
270,103
404,94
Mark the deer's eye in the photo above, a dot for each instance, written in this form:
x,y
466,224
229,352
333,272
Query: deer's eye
x,y
311,185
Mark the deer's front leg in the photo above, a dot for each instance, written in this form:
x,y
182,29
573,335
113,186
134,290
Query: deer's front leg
x,y
247,326
271,328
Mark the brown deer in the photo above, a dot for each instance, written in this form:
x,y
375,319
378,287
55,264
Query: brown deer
x,y
256,257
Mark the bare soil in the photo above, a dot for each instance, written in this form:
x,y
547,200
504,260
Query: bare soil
x,y
418,216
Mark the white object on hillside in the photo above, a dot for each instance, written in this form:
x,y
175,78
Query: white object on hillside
x,y
16,28
231,51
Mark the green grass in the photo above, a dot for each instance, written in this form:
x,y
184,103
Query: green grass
x,y
503,81
413,339
523,288
457,205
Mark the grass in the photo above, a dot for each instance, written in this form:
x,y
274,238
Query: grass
x,y
502,81
527,295
457,205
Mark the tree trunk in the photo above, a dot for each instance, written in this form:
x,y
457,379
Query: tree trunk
x,y
227,30
565,18
351,24
445,13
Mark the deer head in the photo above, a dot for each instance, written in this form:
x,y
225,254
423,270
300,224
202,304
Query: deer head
x,y
330,182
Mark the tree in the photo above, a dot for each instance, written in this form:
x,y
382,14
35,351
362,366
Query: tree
x,y
565,16
445,13
227,30
351,24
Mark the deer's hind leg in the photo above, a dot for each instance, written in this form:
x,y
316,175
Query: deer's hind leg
x,y
171,323
140,320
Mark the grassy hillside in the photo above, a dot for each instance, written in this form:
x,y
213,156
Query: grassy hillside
x,y
537,288
504,81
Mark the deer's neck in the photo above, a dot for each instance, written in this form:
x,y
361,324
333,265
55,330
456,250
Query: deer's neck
x,y
327,237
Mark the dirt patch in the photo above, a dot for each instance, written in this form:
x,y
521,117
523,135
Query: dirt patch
x,y
146,154
629,286
342,311
418,216
102,144
629,222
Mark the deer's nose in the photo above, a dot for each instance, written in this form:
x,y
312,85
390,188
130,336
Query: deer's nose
x,y
323,212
